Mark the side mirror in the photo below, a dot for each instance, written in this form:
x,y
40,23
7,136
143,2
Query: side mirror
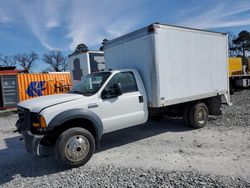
x,y
117,89
114,91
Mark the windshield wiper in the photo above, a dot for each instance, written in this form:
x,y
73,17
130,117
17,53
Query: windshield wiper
x,y
78,92
89,93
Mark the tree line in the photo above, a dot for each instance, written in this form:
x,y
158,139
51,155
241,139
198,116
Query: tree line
x,y
239,45
55,59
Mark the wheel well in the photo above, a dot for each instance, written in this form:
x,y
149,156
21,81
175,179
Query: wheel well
x,y
79,122
213,104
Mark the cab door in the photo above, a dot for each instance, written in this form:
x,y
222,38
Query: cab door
x,y
125,110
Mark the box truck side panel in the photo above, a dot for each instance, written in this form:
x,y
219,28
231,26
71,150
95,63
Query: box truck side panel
x,y
176,64
134,53
191,64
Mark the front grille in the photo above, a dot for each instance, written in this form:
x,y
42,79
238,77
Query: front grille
x,y
24,117
34,117
21,114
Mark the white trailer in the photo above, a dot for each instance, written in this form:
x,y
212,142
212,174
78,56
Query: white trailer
x,y
83,63
177,64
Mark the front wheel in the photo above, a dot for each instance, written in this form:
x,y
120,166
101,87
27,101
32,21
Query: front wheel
x,y
74,147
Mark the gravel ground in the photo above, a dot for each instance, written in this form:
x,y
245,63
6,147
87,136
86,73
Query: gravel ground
x,y
110,176
157,154
238,114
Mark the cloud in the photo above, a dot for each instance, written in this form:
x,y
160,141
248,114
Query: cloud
x,y
53,11
4,18
36,23
52,24
90,23
38,16
219,15
86,22
121,26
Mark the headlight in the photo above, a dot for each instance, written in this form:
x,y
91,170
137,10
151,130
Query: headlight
x,y
42,122
38,121
35,120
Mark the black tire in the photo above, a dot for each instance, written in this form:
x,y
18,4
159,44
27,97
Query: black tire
x,y
198,115
185,114
73,142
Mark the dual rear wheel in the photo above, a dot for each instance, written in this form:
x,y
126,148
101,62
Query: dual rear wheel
x,y
196,115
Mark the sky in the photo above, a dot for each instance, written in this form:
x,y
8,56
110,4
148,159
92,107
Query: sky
x,y
43,25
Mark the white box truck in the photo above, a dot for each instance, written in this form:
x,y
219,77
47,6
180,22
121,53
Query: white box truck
x,y
83,63
156,70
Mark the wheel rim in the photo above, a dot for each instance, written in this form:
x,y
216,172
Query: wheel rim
x,y
77,148
202,116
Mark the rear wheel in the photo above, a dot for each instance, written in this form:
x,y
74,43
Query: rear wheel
x,y
74,147
198,115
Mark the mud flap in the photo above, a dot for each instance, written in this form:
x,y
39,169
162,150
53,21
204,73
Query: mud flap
x,y
214,106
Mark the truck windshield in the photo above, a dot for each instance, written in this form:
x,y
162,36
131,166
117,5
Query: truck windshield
x,y
91,83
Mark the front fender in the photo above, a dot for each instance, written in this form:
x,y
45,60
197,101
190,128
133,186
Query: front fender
x,y
78,113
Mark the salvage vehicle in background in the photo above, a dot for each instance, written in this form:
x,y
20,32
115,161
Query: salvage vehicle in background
x,y
239,72
85,62
159,69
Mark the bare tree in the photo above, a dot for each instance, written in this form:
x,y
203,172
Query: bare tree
x,y
26,61
81,48
8,61
102,46
232,48
56,60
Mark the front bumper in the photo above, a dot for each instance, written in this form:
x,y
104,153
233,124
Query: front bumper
x,y
32,142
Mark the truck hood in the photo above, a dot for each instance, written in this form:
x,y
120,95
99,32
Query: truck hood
x,y
39,103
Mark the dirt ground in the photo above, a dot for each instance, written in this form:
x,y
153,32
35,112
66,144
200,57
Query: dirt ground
x,y
221,149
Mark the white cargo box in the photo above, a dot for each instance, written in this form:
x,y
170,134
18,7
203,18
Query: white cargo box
x,y
83,63
177,64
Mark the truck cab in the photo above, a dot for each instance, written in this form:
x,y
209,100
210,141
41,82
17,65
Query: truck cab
x,y
75,122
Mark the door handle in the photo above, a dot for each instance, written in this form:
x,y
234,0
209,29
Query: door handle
x,y
92,106
141,99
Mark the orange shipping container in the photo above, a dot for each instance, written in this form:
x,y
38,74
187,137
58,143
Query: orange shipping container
x,y
35,85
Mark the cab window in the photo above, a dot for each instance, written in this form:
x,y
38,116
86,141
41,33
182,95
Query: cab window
x,y
91,83
127,81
